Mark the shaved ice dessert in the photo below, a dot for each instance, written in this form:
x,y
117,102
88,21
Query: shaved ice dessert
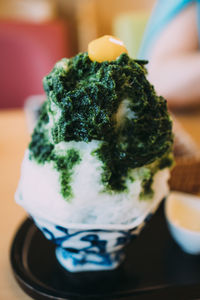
x,y
100,153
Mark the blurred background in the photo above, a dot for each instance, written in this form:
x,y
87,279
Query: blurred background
x,y
34,34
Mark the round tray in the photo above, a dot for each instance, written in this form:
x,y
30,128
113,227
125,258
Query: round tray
x,y
154,267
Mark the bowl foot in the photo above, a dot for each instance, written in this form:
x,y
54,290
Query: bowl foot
x,y
81,261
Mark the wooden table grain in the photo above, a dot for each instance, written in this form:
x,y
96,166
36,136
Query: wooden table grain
x,y
14,139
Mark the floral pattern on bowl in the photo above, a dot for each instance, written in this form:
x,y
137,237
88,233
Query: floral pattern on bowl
x,y
89,249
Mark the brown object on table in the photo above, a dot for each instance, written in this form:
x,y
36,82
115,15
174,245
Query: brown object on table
x,y
185,176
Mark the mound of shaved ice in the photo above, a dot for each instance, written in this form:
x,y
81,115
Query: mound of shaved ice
x,y
101,150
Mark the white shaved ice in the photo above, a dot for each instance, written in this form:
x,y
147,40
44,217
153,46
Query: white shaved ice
x,y
39,191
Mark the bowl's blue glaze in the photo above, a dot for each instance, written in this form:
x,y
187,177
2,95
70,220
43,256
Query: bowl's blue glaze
x,y
88,249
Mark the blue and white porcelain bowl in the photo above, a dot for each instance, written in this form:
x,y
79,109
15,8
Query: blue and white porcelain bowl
x,y
84,247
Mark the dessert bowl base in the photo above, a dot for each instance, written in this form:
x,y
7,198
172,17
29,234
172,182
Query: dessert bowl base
x,y
77,262
154,268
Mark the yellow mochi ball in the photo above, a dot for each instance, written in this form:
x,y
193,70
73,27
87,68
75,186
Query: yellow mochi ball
x,y
106,48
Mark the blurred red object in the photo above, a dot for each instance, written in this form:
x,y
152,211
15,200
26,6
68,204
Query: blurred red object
x,y
28,51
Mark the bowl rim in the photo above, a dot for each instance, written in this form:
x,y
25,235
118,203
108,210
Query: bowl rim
x,y
106,227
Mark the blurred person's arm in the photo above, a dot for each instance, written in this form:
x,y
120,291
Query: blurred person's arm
x,y
174,66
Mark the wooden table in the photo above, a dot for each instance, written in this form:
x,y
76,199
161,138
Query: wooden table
x,y
14,139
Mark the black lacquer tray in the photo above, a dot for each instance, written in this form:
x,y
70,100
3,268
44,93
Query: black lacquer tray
x,y
155,268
